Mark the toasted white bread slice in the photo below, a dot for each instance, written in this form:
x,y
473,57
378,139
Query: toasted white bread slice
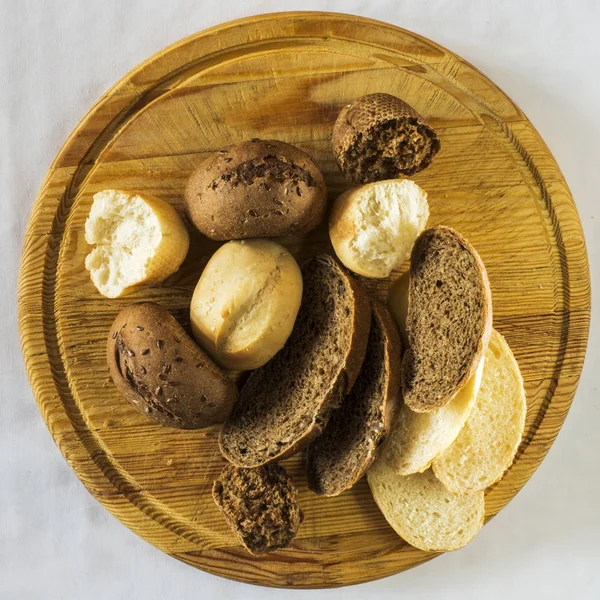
x,y
138,240
423,512
373,227
418,438
487,444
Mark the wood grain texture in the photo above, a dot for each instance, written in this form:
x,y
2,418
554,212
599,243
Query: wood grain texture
x,y
285,76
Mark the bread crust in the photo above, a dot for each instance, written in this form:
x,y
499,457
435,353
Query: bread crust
x,y
389,402
258,188
417,404
343,383
161,372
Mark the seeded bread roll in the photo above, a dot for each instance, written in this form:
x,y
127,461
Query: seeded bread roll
x,y
260,505
161,372
256,189
286,403
341,455
449,319
379,136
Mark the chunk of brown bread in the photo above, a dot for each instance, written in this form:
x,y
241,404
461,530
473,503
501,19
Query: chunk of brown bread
x,y
286,403
379,136
261,506
449,320
339,457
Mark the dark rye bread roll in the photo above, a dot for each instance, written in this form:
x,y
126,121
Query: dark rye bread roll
x,y
260,505
286,403
342,454
161,372
449,318
379,137
260,188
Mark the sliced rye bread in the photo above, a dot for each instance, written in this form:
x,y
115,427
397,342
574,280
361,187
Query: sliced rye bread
x,y
339,457
449,319
286,403
260,505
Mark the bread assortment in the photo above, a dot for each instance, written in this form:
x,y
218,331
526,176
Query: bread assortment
x,y
373,227
286,404
162,373
245,303
260,188
420,400
138,240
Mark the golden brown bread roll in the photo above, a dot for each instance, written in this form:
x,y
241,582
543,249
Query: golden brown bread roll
x,y
245,303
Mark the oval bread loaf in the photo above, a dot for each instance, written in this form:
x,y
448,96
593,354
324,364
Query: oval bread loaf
x,y
161,372
138,240
260,188
246,301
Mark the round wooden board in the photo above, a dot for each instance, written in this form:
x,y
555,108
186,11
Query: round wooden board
x,y
285,76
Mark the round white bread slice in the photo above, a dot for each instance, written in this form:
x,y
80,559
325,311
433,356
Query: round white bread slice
x,y
373,227
487,444
418,438
138,240
423,512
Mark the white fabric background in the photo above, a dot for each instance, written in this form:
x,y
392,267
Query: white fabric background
x,y
56,59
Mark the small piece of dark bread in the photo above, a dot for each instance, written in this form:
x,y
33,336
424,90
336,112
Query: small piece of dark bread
x,y
286,403
339,457
379,137
261,506
162,373
449,319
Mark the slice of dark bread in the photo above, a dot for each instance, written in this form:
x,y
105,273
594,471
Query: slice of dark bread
x,y
339,457
449,319
261,505
286,403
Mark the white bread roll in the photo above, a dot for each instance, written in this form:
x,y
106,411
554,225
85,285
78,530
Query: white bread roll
x,y
138,240
245,303
373,227
487,444
423,512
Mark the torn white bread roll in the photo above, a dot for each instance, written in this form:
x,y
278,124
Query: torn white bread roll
x,y
373,227
246,302
487,444
138,240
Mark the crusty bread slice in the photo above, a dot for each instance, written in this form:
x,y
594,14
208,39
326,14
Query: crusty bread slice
x,y
286,403
261,506
418,438
339,457
487,444
423,512
449,318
